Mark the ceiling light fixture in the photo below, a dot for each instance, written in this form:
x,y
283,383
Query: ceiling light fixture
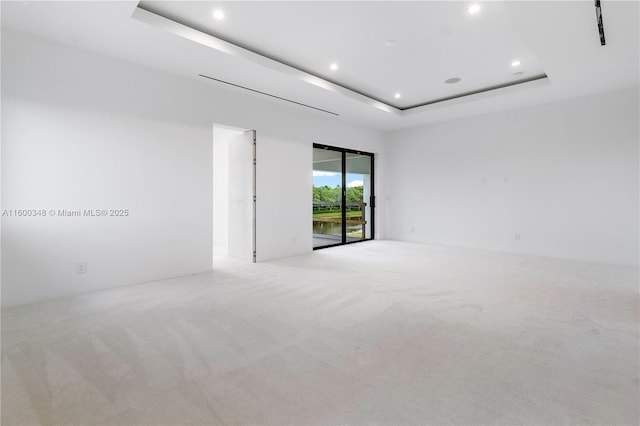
x,y
515,63
397,96
218,14
473,9
452,80
333,66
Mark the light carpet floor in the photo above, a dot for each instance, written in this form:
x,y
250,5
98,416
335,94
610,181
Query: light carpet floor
x,y
380,332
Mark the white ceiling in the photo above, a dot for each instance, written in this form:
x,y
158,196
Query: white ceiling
x,y
288,43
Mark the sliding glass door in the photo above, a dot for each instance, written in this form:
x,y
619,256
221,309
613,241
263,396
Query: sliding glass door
x,y
343,196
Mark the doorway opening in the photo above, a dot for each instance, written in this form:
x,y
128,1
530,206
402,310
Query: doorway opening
x,y
343,196
234,193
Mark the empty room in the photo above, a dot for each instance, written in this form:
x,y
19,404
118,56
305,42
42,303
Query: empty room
x,y
320,212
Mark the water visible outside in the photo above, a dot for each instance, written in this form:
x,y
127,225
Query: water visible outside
x,y
327,219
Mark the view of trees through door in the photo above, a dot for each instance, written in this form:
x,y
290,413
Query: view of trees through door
x,y
342,196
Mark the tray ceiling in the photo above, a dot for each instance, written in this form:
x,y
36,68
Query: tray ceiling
x,y
402,55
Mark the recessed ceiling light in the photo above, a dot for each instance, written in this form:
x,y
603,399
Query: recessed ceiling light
x,y
390,43
397,96
333,66
452,80
473,9
218,14
515,63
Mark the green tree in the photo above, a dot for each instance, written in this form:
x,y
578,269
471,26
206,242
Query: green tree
x,y
333,195
326,194
355,194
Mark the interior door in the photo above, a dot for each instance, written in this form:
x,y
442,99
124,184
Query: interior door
x,y
242,196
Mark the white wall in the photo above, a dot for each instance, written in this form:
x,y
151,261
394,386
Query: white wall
x,y
83,131
284,197
564,176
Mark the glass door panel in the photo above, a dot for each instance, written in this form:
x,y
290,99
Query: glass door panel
x,y
359,186
327,197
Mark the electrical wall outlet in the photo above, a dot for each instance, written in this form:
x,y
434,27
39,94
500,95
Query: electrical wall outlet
x,y
81,268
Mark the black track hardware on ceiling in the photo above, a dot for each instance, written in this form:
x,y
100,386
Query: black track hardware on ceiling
x,y
600,24
268,94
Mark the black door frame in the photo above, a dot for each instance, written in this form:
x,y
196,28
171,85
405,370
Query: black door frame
x,y
372,197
